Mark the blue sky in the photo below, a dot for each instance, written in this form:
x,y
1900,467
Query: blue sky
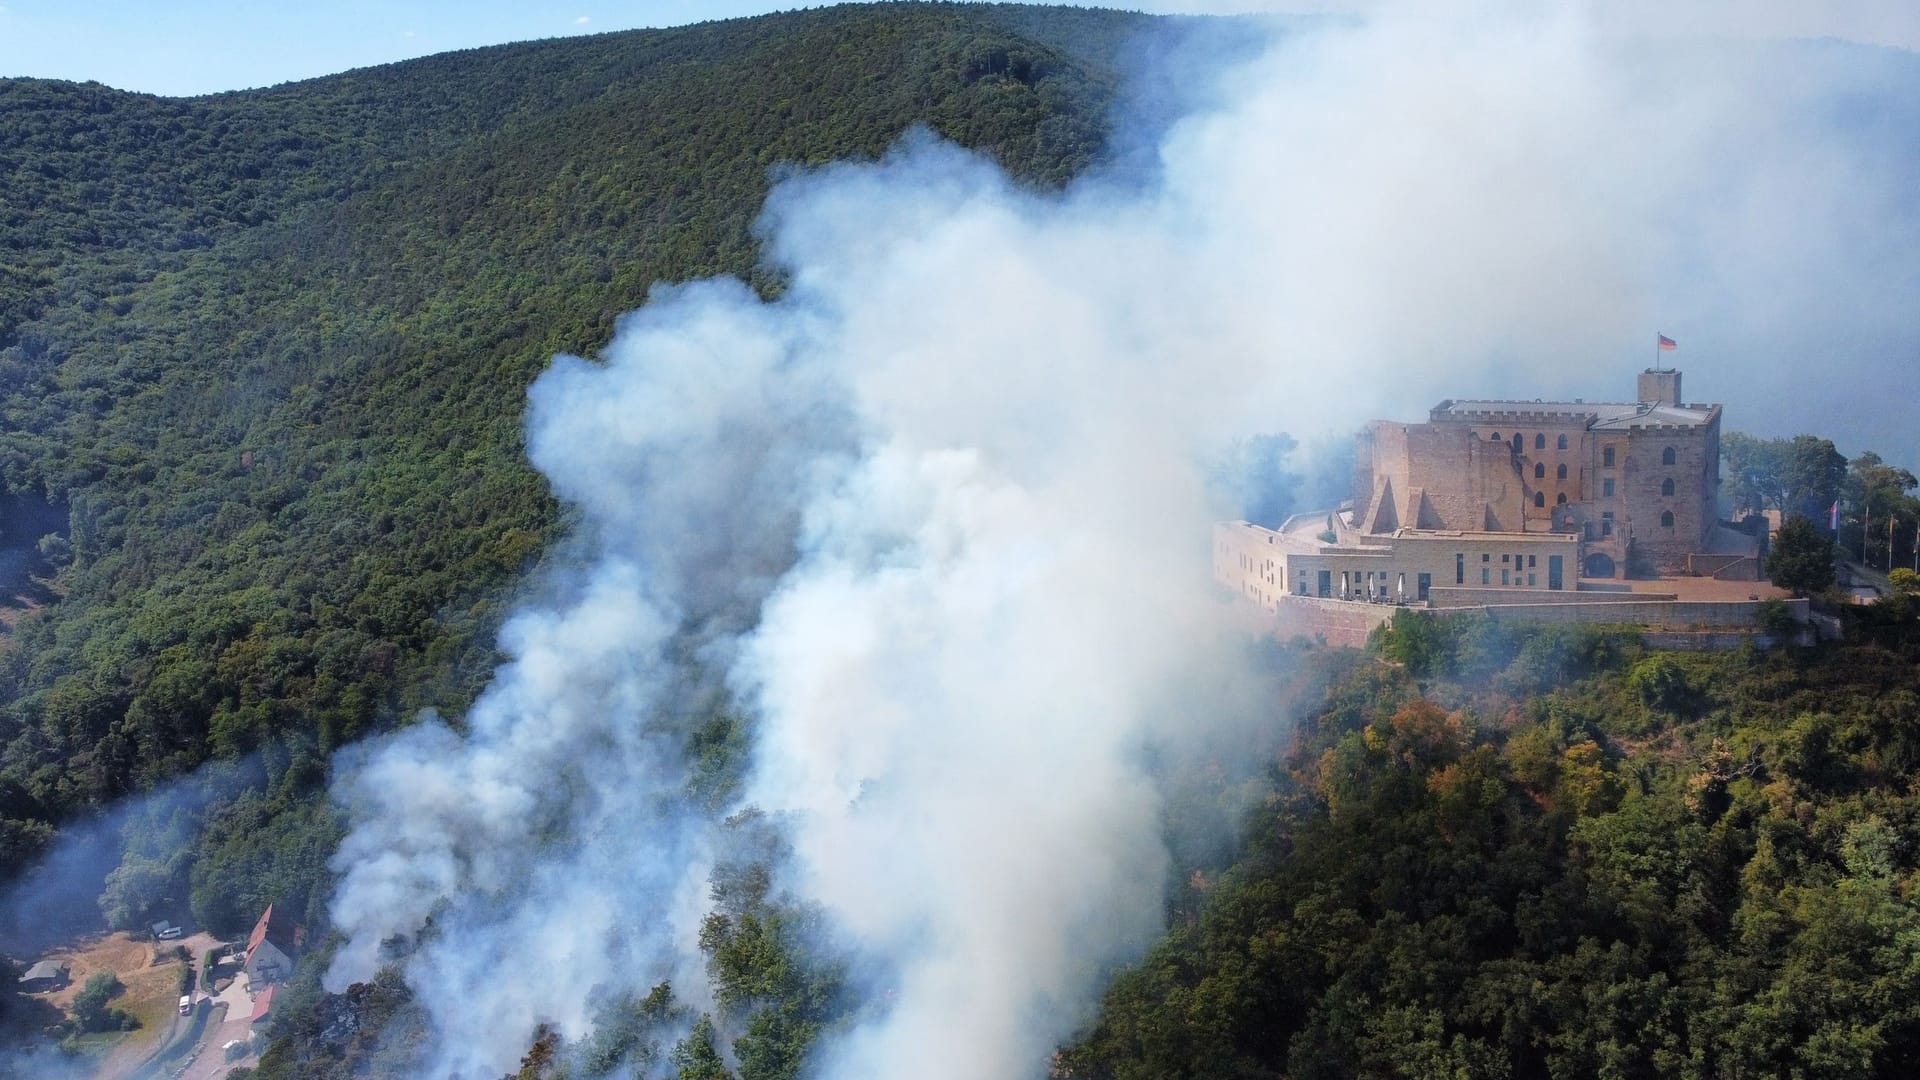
x,y
203,46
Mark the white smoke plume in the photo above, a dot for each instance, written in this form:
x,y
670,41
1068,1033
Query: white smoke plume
x,y
937,517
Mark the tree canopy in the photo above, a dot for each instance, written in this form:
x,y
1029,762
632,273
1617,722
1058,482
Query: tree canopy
x,y
1802,557
1657,865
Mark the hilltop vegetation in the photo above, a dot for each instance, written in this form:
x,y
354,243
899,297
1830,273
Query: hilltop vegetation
x,y
1559,855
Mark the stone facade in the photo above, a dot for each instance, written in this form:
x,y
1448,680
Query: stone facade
x,y
1495,504
1638,482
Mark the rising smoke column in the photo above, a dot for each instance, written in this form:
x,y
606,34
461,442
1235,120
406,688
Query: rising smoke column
x,y
551,846
937,516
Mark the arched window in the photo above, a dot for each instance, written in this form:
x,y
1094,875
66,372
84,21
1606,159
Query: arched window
x,y
1560,499
1539,470
1666,486
1560,472
1666,519
1495,437
1540,442
1606,456
1516,442
1540,499
1563,442
1666,456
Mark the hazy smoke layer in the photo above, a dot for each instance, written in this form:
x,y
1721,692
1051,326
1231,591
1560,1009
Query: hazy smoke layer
x,y
938,515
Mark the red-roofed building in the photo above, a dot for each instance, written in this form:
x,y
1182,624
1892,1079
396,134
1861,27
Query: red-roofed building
x,y
272,948
263,1005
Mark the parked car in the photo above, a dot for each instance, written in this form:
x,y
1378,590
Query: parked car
x,y
186,1004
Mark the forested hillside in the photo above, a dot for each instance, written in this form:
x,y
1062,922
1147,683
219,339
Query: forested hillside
x,y
1552,853
268,350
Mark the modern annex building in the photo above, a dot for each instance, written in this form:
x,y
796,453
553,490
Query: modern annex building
x,y
1494,502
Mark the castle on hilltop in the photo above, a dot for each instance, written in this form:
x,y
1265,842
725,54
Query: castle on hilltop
x,y
1503,504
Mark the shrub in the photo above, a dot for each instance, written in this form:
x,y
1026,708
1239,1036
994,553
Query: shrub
x,y
1660,682
90,1011
1777,620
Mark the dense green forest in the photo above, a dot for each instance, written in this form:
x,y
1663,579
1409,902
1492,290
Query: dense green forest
x,y
267,353
1556,854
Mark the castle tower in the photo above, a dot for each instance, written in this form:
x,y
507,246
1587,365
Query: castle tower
x,y
1660,387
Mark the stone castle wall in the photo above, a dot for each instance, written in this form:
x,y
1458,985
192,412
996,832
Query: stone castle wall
x,y
1438,476
1669,623
1693,502
1340,623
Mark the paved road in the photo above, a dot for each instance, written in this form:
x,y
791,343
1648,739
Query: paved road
x,y
212,1063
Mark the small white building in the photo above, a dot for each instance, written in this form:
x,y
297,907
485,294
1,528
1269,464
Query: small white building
x,y
1322,556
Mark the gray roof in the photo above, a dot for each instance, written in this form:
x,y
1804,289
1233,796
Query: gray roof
x,y
45,969
1608,415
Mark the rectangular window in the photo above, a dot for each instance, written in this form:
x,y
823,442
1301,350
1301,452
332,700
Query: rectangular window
x,y
1484,579
1484,557
1533,561
1503,577
1606,456
1531,580
1606,488
1460,568
1503,560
